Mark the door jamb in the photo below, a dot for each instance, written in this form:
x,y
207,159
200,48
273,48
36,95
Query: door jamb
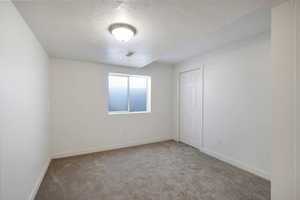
x,y
179,102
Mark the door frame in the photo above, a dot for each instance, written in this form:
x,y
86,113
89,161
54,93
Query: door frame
x,y
179,103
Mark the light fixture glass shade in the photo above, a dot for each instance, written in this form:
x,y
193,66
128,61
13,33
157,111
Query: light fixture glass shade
x,y
122,32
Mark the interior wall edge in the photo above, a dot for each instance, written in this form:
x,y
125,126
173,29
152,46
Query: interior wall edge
x,y
285,106
295,4
297,140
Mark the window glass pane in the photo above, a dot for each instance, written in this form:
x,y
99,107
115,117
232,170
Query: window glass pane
x,y
138,94
118,93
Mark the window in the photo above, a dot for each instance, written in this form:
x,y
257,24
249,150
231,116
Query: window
x,y
128,93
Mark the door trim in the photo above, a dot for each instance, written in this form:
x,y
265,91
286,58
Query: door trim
x,y
179,103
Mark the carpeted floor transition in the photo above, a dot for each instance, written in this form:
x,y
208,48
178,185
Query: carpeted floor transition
x,y
160,171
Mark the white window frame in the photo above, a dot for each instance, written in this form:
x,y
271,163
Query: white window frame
x,y
148,86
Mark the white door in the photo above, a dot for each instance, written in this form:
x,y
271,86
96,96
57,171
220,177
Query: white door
x,y
191,85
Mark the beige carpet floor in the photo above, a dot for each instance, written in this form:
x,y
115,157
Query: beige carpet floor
x,y
160,171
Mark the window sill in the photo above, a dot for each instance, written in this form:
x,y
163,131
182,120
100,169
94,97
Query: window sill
x,y
128,113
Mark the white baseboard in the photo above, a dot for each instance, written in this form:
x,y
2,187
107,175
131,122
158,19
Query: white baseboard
x,y
223,158
109,147
238,164
39,180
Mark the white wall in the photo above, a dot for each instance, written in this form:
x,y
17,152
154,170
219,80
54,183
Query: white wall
x,y
23,107
298,100
237,103
80,122
283,67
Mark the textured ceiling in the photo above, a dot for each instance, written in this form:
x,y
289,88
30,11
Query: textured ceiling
x,y
168,30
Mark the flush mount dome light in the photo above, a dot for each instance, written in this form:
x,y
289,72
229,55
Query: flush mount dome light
x,y
122,32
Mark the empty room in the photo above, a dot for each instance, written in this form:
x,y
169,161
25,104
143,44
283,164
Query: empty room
x,y
149,100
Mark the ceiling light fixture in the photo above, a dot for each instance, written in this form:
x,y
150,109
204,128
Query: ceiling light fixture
x,y
122,32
